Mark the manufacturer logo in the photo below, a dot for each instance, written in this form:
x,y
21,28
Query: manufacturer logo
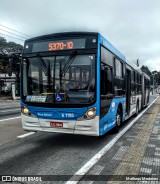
x,y
113,104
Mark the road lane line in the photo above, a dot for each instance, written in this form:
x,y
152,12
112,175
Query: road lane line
x,y
11,110
12,106
10,118
81,172
8,107
25,135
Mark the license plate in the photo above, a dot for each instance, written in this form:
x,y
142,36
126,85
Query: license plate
x,y
56,124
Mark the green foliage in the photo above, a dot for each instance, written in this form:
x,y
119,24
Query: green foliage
x,y
146,70
153,75
7,48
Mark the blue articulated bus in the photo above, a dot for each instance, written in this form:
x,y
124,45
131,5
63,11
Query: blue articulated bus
x,y
78,83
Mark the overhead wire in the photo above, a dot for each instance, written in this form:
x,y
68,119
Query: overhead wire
x,y
15,30
11,36
13,33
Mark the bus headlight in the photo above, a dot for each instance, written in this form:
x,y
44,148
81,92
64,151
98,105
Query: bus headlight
x,y
25,111
91,113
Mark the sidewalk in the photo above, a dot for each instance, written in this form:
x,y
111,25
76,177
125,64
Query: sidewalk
x,y
135,157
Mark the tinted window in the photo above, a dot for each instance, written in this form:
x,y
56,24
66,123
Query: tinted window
x,y
106,80
133,76
106,56
43,80
118,69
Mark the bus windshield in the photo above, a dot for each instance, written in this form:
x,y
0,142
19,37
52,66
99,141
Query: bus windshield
x,y
66,79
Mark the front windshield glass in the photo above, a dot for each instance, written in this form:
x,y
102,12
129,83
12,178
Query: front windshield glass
x,y
59,79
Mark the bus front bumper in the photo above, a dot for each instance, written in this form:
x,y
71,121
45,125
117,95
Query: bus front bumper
x,y
86,127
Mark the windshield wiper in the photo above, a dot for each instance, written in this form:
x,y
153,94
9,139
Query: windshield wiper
x,y
46,70
44,65
68,63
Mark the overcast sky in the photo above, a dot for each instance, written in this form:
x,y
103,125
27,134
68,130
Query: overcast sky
x,y
132,26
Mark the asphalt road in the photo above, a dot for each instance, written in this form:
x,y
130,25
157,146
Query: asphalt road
x,y
9,109
46,153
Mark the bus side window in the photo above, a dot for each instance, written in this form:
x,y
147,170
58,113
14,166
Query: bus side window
x,y
106,80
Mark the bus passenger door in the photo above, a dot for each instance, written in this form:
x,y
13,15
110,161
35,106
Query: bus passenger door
x,y
128,90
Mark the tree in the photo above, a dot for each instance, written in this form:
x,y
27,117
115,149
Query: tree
x,y
7,49
153,75
156,76
146,70
3,44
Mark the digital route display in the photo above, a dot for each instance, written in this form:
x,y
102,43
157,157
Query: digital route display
x,y
58,45
61,42
61,45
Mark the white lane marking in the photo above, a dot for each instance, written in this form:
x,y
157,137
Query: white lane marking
x,y
11,110
25,135
151,145
157,154
151,161
5,107
97,157
10,118
146,170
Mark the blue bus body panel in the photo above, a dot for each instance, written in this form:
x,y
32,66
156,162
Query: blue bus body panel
x,y
109,120
98,92
58,113
110,47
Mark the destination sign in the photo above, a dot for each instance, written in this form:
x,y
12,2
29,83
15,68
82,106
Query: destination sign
x,y
54,44
59,45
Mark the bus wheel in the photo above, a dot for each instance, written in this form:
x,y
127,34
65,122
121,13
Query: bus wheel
x,y
118,118
118,121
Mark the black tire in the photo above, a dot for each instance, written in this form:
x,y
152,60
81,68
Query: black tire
x,y
118,120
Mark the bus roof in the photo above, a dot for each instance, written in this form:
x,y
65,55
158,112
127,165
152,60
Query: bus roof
x,y
63,34
102,40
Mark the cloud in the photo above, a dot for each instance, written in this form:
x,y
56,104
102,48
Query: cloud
x,y
132,26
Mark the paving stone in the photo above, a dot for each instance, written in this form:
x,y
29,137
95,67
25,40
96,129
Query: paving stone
x,y
137,152
96,170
